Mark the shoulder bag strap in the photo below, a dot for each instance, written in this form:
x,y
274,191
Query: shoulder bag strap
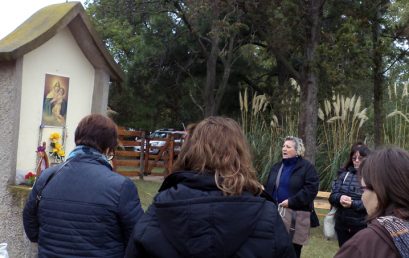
x,y
293,212
279,176
345,178
40,191
278,181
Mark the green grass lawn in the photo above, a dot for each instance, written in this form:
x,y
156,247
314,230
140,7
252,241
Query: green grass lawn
x,y
147,190
318,247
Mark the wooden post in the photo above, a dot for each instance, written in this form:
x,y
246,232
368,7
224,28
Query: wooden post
x,y
171,154
142,156
147,168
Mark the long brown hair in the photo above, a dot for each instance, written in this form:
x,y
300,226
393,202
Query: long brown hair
x,y
218,145
386,172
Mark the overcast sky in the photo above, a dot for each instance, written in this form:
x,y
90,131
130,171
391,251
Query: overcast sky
x,y
15,12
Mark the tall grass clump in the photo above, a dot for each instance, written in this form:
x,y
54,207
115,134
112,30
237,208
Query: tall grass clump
x,y
264,130
396,125
256,129
341,121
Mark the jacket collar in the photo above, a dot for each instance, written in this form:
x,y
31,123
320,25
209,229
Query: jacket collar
x,y
203,181
82,151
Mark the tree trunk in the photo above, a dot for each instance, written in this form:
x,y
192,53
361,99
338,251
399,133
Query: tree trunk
x,y
282,74
307,127
227,64
378,79
209,96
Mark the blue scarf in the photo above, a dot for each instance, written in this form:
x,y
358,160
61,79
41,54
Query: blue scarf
x,y
82,150
399,231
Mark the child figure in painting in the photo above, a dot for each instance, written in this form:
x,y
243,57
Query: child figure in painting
x,y
57,102
50,96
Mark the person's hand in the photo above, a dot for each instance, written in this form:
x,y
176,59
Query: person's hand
x,y
284,204
345,201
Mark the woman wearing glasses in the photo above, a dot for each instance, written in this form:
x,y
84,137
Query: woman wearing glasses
x,y
81,208
385,184
346,196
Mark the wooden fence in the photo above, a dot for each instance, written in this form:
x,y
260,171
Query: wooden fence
x,y
136,157
321,203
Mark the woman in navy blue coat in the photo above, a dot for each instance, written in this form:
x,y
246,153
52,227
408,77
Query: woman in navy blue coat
x,y
210,206
298,183
346,195
85,210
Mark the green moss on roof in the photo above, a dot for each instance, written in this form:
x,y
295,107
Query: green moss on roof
x,y
38,24
45,24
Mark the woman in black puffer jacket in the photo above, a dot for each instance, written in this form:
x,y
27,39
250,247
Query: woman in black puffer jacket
x,y
346,196
211,204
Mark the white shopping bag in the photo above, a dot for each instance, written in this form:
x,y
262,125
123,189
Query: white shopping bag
x,y
3,251
329,224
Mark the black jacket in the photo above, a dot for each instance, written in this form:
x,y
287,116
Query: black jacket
x,y
350,185
304,184
190,217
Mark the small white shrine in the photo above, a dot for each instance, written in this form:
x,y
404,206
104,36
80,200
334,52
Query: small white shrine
x,y
54,70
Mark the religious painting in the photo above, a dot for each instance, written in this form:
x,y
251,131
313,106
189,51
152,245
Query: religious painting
x,y
55,100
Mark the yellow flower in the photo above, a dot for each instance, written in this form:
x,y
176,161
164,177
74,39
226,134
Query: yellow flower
x,y
57,149
61,153
55,136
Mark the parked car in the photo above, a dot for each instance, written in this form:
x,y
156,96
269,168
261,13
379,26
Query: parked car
x,y
156,143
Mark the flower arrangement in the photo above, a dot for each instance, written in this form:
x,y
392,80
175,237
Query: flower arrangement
x,y
57,152
30,178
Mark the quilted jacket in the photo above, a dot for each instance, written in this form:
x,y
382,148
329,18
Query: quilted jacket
x,y
348,183
86,210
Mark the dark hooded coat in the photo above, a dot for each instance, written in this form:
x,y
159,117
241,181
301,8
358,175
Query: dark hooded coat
x,y
190,217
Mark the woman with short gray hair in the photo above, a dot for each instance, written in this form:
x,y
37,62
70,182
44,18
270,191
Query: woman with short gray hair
x,y
293,183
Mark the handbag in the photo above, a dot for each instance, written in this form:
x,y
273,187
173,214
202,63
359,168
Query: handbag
x,y
329,224
329,219
3,251
297,224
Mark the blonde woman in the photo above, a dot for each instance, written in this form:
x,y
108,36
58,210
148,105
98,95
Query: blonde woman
x,y
293,182
210,205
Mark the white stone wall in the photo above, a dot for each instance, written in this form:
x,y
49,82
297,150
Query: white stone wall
x,y
59,56
21,102
11,229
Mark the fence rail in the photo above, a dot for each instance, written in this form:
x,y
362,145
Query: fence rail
x,y
321,202
137,157
134,157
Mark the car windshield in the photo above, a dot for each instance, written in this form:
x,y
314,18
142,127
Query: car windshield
x,y
158,135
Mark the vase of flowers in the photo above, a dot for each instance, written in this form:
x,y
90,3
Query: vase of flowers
x,y
57,153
